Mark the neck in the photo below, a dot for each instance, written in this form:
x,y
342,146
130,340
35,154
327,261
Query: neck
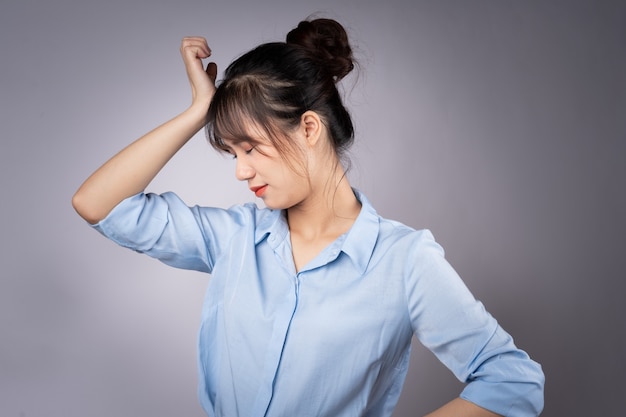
x,y
328,213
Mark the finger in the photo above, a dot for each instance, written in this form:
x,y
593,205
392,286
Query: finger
x,y
195,47
211,70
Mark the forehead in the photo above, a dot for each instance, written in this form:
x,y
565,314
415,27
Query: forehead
x,y
248,136
234,143
241,129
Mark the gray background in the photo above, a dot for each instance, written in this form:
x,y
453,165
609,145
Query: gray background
x,y
499,125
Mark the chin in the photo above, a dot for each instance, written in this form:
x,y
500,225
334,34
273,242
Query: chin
x,y
282,202
277,205
267,202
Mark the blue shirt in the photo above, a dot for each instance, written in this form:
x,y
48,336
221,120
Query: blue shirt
x,y
334,338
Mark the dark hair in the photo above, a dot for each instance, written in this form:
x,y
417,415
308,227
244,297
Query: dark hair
x,y
275,83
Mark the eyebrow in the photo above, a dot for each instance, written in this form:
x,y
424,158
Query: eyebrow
x,y
239,140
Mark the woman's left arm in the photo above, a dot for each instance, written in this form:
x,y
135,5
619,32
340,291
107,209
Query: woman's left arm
x,y
461,408
452,324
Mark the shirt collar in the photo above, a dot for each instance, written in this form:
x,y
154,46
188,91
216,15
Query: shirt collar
x,y
358,244
270,222
361,239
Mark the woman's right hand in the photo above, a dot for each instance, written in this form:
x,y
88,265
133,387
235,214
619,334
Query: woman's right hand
x,y
193,50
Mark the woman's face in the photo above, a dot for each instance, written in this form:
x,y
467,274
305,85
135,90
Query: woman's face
x,y
267,173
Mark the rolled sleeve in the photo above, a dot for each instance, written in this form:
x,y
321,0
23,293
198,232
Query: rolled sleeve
x,y
164,227
509,383
136,223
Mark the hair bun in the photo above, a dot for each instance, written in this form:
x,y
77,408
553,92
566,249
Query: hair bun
x,y
327,40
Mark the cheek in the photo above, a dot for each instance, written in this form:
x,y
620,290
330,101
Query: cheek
x,y
297,182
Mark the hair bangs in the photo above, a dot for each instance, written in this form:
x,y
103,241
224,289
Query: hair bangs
x,y
239,113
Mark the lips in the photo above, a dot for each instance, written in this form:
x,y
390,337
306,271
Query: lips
x,y
258,191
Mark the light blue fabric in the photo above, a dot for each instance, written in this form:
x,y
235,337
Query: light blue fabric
x,y
333,339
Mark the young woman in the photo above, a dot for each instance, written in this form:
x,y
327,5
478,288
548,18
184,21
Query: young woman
x,y
313,300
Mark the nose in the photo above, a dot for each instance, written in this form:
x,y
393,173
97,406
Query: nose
x,y
243,171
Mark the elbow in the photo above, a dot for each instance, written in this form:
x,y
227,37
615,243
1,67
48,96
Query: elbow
x,y
530,400
85,208
536,395
511,385
530,390
511,399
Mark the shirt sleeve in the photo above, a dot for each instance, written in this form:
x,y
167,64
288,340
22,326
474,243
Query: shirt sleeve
x,y
164,227
449,321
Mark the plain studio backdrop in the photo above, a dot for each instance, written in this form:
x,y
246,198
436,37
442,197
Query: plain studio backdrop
x,y
499,125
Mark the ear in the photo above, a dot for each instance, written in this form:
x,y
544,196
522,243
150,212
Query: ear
x,y
312,127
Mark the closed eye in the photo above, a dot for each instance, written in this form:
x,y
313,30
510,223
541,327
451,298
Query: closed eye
x,y
233,154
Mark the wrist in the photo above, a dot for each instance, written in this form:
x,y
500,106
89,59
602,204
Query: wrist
x,y
197,112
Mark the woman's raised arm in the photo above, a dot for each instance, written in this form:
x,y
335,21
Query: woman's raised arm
x,y
132,169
